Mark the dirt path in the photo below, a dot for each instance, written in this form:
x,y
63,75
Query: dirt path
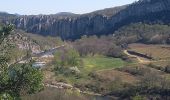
x,y
70,87
141,59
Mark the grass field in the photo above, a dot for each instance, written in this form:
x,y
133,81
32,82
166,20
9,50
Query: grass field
x,y
97,63
93,65
101,62
157,52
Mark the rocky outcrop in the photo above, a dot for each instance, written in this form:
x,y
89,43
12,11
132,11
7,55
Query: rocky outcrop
x,y
99,22
23,42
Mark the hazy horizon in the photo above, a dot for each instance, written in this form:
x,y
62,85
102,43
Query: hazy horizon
x,y
35,7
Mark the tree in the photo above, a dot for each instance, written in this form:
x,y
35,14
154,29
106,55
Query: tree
x,y
19,79
67,61
67,57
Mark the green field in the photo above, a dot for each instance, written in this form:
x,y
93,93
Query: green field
x,y
101,62
92,65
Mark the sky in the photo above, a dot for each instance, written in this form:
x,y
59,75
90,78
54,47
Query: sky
x,y
34,7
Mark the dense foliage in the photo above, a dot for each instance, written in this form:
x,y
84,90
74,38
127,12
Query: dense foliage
x,y
16,79
20,80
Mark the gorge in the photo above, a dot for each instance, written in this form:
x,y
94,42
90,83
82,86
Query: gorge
x,y
73,26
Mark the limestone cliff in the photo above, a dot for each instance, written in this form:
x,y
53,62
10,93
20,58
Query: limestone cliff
x,y
100,22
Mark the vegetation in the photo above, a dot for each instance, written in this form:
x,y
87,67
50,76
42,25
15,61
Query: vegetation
x,y
16,54
143,33
67,61
101,66
151,84
16,80
161,52
101,62
67,57
45,42
94,64
56,94
80,69
93,45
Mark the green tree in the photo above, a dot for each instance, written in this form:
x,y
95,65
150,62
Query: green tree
x,y
73,57
19,79
66,61
67,57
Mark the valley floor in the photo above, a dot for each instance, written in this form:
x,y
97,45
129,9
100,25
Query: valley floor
x,y
99,72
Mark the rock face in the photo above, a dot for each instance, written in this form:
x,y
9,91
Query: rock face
x,y
24,43
99,22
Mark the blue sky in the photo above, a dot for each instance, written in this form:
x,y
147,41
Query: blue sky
x,y
55,6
